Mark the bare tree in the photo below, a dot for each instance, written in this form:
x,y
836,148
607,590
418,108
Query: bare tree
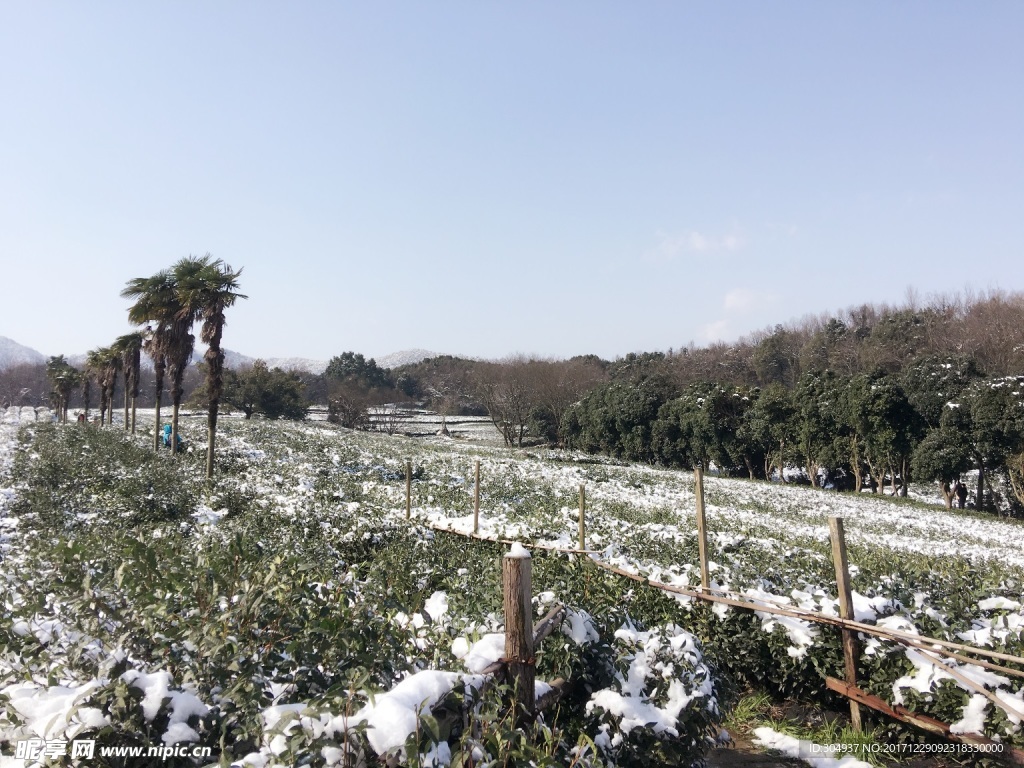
x,y
506,390
555,385
348,407
450,383
387,418
24,384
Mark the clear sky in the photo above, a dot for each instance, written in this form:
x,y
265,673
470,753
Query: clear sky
x,y
491,178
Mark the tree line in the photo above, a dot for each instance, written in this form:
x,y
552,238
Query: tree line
x,y
876,396
873,396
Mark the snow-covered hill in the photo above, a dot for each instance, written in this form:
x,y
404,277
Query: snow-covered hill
x,y
298,364
12,353
405,357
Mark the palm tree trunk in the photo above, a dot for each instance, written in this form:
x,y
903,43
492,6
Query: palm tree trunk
x,y
214,383
174,425
159,367
126,388
156,427
211,436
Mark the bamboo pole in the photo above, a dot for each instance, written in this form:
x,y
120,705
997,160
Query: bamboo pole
x,y
547,625
765,605
973,686
842,565
925,723
476,500
408,489
583,513
907,638
516,569
702,530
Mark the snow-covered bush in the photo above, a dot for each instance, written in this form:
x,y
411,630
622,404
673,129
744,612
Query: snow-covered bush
x,y
292,592
662,705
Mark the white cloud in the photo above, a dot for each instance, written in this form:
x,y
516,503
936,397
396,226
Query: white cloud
x,y
671,247
745,300
739,299
716,331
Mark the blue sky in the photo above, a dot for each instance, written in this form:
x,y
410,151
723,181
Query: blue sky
x,y
486,179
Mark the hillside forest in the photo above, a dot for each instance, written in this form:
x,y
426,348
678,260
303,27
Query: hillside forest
x,y
874,397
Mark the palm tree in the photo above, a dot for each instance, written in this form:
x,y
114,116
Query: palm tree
x,y
179,353
130,348
93,365
85,379
111,368
98,363
63,379
206,288
156,303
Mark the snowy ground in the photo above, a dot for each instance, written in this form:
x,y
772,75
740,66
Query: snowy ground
x,y
766,539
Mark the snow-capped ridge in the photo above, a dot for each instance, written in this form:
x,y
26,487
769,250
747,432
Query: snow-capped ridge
x,y
404,357
12,353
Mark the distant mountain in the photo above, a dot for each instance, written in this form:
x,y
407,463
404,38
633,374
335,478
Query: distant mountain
x,y
298,364
405,357
394,360
12,353
238,360
231,359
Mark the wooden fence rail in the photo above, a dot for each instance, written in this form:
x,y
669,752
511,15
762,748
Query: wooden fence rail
x,y
521,640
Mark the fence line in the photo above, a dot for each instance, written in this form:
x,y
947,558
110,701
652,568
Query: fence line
x,y
931,648
767,605
776,608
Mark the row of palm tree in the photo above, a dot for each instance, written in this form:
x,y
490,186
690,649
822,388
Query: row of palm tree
x,y
168,304
104,364
64,379
130,348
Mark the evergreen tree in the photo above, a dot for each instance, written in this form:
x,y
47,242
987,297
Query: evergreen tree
x,y
770,427
273,393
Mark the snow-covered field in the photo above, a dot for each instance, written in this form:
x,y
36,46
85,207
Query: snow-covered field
x,y
298,493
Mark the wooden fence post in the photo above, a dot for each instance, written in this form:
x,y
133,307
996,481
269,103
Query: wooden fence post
x,y
702,530
583,512
408,489
836,533
516,569
476,500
